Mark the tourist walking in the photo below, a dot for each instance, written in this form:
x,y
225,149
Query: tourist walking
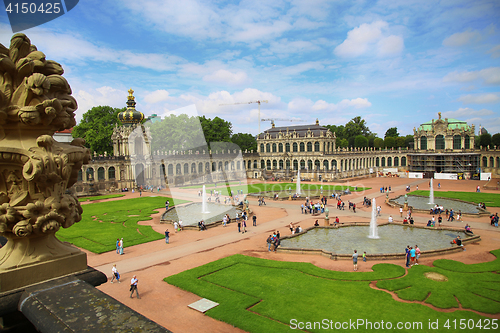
x,y
355,260
254,219
407,255
115,273
167,236
120,244
401,211
133,287
269,242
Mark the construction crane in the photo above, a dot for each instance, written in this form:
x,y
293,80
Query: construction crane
x,y
280,119
258,102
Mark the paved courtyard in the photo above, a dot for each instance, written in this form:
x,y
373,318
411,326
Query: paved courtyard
x,y
167,305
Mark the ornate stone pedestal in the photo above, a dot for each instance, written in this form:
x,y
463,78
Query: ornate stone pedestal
x,y
405,207
327,221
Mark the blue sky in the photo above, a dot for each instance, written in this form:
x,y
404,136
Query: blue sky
x,y
395,63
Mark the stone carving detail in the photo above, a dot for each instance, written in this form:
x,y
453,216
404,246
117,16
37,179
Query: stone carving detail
x,y
35,170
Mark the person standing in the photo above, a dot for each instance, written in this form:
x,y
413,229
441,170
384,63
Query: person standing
x,y
254,218
355,260
417,253
412,256
244,222
407,256
133,287
458,240
176,226
116,275
401,211
167,236
269,242
167,203
120,244
239,223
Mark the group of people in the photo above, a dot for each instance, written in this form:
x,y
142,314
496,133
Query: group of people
x,y
273,241
412,255
355,259
311,207
385,189
450,214
494,220
119,246
297,229
133,282
262,201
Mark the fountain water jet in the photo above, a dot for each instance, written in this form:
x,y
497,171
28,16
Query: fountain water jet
x,y
431,192
204,209
298,183
373,222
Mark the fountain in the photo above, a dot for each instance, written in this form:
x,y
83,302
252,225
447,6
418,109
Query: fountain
x,y
431,193
373,222
204,209
298,183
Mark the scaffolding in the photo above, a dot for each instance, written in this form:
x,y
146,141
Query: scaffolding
x,y
466,163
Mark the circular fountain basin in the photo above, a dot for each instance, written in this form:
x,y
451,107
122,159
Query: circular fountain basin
x,y
393,239
190,214
285,194
422,203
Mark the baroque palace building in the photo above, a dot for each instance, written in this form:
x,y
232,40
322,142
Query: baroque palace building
x,y
441,146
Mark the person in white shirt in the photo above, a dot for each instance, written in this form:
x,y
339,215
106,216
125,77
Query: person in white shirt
x,y
390,219
133,287
116,275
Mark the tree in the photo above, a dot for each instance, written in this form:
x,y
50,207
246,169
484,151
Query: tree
x,y
495,140
378,143
371,139
338,130
360,141
485,139
342,143
96,127
356,126
393,132
245,141
177,133
409,141
216,130
389,142
400,141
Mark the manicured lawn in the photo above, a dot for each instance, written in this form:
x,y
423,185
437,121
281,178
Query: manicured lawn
x,y
102,223
276,187
100,197
489,199
259,295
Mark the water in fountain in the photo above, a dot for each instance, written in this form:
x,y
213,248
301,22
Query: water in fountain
x,y
204,209
431,193
373,221
298,183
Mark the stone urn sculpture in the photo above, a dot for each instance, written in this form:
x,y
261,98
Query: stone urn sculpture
x,y
35,170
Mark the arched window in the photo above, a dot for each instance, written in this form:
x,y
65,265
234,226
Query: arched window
x,y
316,146
275,165
100,173
309,165
281,164
200,167
423,143
288,164
268,163
334,164
249,164
111,172
302,147
219,166
262,164
232,165
492,164
287,147
268,148
317,165
138,146
280,148
193,167
485,161
207,167
377,162
186,168
295,165
214,166
295,147
498,162
178,169
170,169
328,147
255,164
396,161
439,142
309,146
325,165
467,142
389,161
457,142
90,174
238,164
274,147
302,164
403,161
261,147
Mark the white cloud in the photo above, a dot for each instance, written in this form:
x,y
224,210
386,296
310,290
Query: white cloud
x,y
284,46
479,98
467,112
156,96
495,51
87,99
462,38
226,77
370,38
306,105
490,76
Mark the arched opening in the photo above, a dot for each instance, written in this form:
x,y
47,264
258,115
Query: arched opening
x,y
90,174
439,142
309,146
186,168
274,147
287,147
457,142
302,147
423,143
111,172
295,147
170,170
100,173
316,146
280,148
139,174
403,161
178,169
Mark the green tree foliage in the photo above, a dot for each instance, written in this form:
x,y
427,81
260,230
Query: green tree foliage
x,y
177,133
400,141
360,141
409,141
485,139
495,140
245,141
393,132
96,127
216,130
356,126
389,142
371,139
378,143
342,143
338,130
